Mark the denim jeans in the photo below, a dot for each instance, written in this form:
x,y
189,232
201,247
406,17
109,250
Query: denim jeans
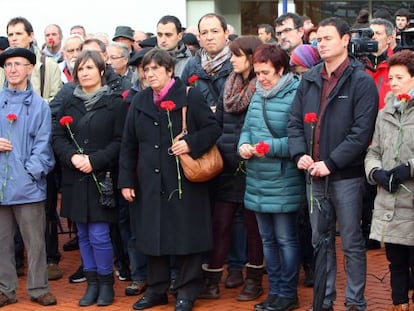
x,y
137,260
281,251
95,247
237,257
346,198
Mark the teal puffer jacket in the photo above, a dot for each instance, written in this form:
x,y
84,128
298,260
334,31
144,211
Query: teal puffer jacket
x,y
273,182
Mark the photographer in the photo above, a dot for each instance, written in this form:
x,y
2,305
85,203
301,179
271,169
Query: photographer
x,y
383,33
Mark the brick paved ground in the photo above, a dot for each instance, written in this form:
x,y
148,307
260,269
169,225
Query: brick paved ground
x,y
377,291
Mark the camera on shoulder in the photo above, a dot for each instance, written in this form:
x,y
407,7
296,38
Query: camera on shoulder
x,y
361,42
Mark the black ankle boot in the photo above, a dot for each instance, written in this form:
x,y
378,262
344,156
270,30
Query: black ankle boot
x,y
92,290
106,290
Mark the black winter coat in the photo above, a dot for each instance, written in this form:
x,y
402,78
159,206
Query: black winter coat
x,y
211,86
163,226
230,185
347,124
100,138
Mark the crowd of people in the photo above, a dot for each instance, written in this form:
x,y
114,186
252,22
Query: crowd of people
x,y
315,141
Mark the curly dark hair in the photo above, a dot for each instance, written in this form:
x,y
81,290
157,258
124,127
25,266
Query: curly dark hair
x,y
403,58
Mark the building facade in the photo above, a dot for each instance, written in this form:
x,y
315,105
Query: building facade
x,y
245,15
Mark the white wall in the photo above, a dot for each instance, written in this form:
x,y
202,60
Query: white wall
x,y
94,15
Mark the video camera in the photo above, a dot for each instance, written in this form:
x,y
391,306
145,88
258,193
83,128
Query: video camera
x,y
407,40
361,42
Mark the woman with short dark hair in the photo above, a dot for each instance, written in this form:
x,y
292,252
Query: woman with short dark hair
x,y
275,188
389,164
173,216
87,142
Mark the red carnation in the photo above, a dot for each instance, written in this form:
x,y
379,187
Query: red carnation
x,y
262,148
11,117
403,97
193,79
311,117
66,120
167,105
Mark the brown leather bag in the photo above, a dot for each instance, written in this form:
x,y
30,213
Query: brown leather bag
x,y
203,168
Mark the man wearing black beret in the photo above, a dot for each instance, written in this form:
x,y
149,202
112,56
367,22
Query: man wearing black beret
x,y
26,157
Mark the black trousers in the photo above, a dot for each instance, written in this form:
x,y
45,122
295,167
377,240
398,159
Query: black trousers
x,y
189,279
401,258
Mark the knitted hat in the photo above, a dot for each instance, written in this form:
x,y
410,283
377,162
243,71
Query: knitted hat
x,y
304,55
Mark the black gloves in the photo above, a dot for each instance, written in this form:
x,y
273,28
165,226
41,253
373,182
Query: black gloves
x,y
400,173
391,180
382,178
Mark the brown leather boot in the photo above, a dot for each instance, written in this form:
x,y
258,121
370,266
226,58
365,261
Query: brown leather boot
x,y
253,285
212,277
401,307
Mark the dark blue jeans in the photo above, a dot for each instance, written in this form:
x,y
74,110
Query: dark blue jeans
x,y
281,250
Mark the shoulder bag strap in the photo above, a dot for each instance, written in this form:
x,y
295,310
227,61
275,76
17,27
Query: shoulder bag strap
x,y
86,117
184,115
42,74
266,119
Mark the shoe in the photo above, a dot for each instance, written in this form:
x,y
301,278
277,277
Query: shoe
x,y
283,304
323,309
124,274
71,245
78,276
262,305
234,279
135,288
149,302
45,300
251,291
20,271
355,308
183,305
5,300
373,244
54,272
401,307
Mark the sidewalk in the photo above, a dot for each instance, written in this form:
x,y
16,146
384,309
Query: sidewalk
x,y
377,292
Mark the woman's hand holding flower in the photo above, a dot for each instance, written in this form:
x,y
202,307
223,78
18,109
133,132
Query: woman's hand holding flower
x,y
246,151
82,163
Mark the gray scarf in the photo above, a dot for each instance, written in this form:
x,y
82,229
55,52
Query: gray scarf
x,y
284,81
90,98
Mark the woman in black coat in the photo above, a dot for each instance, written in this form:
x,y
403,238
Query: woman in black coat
x,y
96,118
165,223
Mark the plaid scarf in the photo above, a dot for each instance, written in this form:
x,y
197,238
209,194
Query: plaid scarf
x,y
238,93
213,65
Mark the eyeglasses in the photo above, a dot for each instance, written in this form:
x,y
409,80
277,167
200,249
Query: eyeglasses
x,y
16,65
284,31
113,57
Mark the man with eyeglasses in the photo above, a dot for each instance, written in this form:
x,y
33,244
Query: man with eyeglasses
x,y
27,157
289,31
118,57
71,49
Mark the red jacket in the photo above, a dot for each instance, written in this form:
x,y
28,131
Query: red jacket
x,y
380,77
